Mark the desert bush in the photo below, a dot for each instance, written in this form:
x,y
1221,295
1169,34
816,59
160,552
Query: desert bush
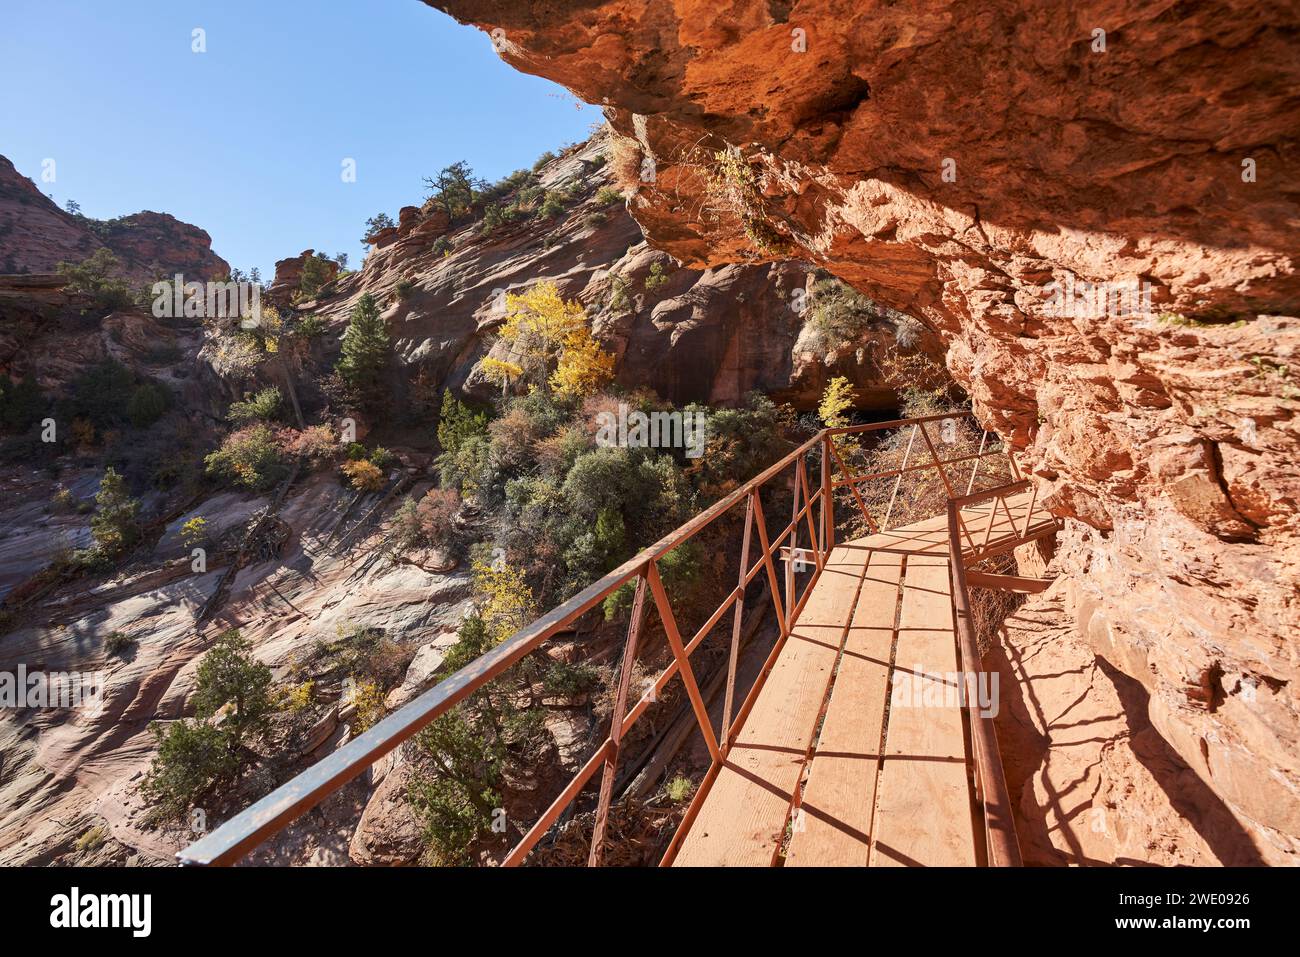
x,y
94,277
101,395
114,525
263,406
656,278
148,403
118,642
308,327
194,754
249,458
607,196
194,532
315,444
315,274
364,476
552,205
838,314
462,759
368,698
429,522
21,403
569,681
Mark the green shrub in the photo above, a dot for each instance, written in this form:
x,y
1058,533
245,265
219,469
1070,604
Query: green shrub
x,y
552,205
93,277
656,278
196,754
563,680
839,314
250,458
113,525
101,395
263,406
679,789
21,403
310,326
608,196
192,757
148,403
315,274
117,642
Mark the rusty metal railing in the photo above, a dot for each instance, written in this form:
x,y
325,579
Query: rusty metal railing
x,y
812,519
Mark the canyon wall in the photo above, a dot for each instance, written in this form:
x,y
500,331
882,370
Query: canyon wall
x,y
36,235
707,334
974,165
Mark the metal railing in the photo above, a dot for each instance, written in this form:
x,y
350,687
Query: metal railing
x,y
812,519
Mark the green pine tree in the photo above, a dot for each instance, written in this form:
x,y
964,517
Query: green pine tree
x,y
366,349
114,523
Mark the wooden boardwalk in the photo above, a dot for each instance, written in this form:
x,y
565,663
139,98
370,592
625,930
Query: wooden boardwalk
x,y
825,771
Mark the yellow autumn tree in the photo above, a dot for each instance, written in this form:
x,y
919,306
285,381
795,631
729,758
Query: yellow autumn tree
x,y
836,401
500,372
584,367
506,601
549,337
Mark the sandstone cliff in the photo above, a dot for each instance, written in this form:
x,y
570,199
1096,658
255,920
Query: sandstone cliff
x,y
35,236
704,334
954,161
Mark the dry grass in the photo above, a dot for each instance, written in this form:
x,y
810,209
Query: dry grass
x,y
625,161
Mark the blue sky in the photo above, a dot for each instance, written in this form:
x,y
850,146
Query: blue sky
x,y
248,139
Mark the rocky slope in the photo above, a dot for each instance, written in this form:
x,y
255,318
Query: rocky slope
x,y
68,784
953,161
36,235
709,335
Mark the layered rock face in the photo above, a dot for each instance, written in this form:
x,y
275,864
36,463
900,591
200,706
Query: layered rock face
x,y
35,236
975,165
707,334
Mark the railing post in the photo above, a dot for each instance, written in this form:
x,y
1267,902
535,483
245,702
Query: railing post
x,y
729,699
828,501
899,480
616,722
934,457
789,555
669,621
999,826
975,467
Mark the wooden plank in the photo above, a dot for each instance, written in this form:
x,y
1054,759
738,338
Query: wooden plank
x,y
1016,583
833,826
742,819
923,813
